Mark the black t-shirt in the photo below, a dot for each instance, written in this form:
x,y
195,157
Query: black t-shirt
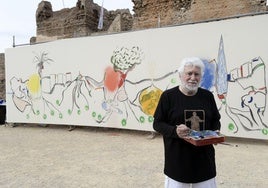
x,y
185,162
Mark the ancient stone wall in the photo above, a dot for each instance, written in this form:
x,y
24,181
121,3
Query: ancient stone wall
x,y
78,21
210,9
157,13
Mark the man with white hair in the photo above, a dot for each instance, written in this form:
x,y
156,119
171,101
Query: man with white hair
x,y
187,165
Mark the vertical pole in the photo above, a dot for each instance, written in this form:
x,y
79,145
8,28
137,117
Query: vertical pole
x,y
14,45
159,21
100,24
63,3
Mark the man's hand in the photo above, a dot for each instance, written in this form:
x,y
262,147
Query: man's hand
x,y
182,130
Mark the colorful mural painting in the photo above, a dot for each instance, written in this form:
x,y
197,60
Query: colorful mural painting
x,y
76,93
117,80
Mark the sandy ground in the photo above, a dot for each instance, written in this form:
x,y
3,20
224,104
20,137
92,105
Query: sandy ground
x,y
34,156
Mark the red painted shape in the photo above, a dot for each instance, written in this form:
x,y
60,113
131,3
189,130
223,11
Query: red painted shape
x,y
113,79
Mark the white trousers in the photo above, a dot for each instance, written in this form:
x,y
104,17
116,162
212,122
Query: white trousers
x,y
170,183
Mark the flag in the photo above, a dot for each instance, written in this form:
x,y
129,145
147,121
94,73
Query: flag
x,y
100,25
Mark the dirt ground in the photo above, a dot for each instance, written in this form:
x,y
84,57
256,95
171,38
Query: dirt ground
x,y
34,156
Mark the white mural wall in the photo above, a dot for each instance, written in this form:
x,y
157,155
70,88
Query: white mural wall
x,y
116,80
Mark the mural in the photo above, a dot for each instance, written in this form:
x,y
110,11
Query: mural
x,y
249,114
32,96
119,85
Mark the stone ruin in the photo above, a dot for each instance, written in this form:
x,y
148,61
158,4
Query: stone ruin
x,y
83,18
158,13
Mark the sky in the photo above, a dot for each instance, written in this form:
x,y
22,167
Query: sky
x,y
17,17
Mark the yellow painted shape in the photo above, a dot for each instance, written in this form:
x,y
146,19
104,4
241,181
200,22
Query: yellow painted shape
x,y
149,98
34,84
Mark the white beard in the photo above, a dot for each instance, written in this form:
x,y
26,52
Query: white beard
x,y
190,88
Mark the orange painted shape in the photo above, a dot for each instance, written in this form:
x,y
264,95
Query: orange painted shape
x,y
111,79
